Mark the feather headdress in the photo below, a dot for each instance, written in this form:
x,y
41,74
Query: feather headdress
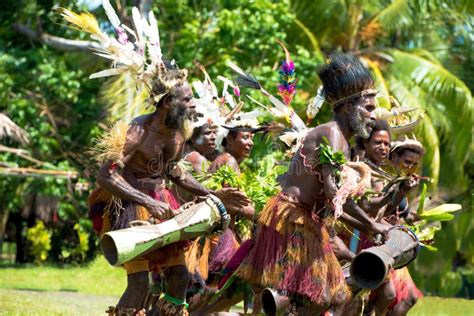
x,y
408,143
224,110
315,105
207,101
246,80
402,119
139,54
287,77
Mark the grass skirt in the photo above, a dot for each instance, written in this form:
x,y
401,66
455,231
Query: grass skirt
x,y
110,213
293,253
404,286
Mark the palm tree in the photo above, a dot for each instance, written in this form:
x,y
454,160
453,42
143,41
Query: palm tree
x,y
390,36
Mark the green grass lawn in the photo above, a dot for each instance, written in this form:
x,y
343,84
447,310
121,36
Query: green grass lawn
x,y
89,290
98,278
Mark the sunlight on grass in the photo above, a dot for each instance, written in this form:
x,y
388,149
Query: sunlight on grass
x,y
442,307
50,290
38,303
98,278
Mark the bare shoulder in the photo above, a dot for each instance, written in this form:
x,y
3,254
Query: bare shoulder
x,y
135,134
222,160
226,158
140,120
194,157
327,132
199,162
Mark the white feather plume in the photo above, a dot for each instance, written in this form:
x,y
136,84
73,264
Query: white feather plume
x,y
137,22
315,105
110,12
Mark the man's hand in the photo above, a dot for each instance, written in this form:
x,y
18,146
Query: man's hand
x,y
232,198
411,218
160,210
409,184
379,228
247,211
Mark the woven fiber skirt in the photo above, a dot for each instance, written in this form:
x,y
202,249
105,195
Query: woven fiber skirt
x,y
293,253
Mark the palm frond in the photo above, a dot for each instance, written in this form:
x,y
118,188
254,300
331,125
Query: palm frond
x,y
425,132
398,14
380,82
442,87
316,15
310,36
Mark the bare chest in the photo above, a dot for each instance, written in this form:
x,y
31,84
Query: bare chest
x,y
155,153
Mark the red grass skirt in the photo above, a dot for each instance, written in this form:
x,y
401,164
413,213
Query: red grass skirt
x,y
404,286
293,253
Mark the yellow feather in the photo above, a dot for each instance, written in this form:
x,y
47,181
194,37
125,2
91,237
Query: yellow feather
x,y
84,21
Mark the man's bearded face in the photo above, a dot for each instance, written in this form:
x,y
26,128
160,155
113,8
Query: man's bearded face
x,y
181,111
179,118
360,118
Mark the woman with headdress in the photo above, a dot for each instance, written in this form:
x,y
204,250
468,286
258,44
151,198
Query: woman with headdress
x,y
374,151
398,289
237,146
405,157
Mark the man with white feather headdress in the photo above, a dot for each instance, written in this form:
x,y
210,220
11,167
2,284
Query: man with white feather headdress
x,y
138,159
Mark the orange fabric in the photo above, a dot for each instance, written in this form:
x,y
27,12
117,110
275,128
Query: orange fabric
x,y
136,265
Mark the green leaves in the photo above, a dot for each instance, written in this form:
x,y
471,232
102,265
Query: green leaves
x,y
421,203
39,241
441,212
418,80
327,156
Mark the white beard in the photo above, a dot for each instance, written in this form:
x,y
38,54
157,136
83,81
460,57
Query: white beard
x,y
187,129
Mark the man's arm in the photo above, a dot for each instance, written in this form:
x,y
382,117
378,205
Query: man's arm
x,y
350,207
224,160
234,200
352,222
354,210
373,205
183,179
111,180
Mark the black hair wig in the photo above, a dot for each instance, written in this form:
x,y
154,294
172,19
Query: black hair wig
x,y
344,76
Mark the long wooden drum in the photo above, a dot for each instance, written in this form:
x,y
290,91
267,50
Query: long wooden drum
x,y
123,245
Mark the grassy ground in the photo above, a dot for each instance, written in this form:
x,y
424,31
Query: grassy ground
x,y
39,303
49,290
443,307
99,278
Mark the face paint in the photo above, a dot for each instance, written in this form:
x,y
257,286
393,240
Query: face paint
x,y
200,140
359,124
